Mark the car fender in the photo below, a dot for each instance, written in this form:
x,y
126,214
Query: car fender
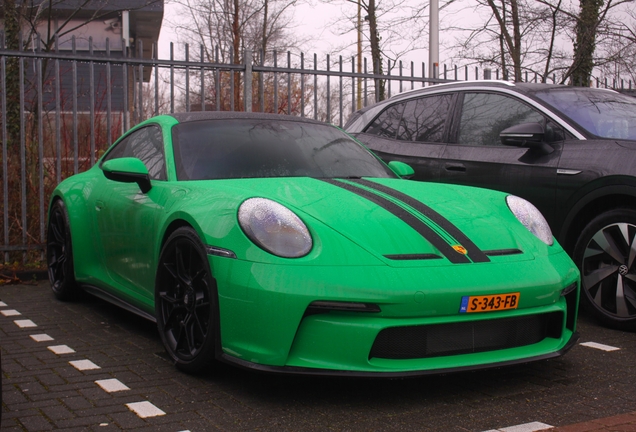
x,y
85,256
599,190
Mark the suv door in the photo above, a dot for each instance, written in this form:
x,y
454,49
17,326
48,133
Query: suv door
x,y
412,131
476,157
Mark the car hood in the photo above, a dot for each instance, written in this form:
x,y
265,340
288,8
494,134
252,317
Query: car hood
x,y
401,222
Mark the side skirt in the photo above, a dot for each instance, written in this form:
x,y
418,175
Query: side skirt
x,y
98,292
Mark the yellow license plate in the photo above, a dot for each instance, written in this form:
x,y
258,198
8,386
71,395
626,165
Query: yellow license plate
x,y
489,303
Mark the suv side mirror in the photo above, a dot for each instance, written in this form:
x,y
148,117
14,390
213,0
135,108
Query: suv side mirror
x,y
530,135
522,135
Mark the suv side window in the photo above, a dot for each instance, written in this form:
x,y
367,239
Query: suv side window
x,y
424,119
145,144
388,122
485,115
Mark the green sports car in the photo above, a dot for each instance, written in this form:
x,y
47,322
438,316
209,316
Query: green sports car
x,y
282,244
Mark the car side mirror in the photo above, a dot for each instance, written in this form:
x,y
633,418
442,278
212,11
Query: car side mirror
x,y
530,135
403,170
128,170
522,135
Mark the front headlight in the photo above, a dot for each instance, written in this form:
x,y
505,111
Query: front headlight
x,y
531,218
274,228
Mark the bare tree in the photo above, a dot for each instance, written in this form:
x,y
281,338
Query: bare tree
x,y
618,41
522,35
394,28
548,37
599,27
226,28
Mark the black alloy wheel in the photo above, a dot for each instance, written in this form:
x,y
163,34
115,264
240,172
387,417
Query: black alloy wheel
x,y
606,255
59,253
185,302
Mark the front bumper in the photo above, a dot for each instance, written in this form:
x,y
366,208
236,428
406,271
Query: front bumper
x,y
264,322
295,370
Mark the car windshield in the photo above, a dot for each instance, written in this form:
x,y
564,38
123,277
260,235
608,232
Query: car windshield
x,y
602,113
253,148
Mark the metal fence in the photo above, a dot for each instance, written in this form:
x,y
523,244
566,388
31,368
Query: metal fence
x,y
62,109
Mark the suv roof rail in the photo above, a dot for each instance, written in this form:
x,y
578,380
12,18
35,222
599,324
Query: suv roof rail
x,y
451,83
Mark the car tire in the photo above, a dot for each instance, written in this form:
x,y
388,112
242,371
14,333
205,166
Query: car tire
x,y
59,253
185,302
605,252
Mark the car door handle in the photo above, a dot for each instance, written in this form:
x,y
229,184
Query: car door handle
x,y
99,205
562,171
456,167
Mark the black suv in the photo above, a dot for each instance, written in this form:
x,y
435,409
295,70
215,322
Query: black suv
x,y
569,150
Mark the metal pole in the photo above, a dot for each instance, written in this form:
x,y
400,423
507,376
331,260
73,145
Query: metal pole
x,y
359,88
248,81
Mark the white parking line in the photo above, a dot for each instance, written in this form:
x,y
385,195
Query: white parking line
x,y
526,427
600,346
25,323
10,312
145,409
41,337
142,409
61,349
112,385
84,365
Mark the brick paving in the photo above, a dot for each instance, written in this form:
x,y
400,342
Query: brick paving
x,y
87,365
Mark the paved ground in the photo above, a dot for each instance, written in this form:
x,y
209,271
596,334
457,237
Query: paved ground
x,y
45,389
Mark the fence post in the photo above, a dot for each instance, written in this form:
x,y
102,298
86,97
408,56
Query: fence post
x,y
248,81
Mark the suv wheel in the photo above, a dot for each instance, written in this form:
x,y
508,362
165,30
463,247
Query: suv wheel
x,y
606,254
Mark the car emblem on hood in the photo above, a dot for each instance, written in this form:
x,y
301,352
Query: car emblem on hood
x,y
460,249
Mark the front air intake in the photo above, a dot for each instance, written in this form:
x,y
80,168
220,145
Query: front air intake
x,y
465,337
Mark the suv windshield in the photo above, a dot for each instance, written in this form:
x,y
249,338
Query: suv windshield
x,y
252,148
602,113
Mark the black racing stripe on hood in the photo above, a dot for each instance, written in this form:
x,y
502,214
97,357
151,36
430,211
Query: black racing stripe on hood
x,y
474,253
420,227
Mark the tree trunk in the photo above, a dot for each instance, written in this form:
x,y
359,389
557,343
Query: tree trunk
x,y
260,102
513,43
502,46
12,35
376,52
236,47
516,30
583,62
13,121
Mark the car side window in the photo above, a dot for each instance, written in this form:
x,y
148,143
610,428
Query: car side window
x,y
145,144
388,122
424,119
485,115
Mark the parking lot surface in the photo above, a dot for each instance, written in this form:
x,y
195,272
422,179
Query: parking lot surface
x,y
87,365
